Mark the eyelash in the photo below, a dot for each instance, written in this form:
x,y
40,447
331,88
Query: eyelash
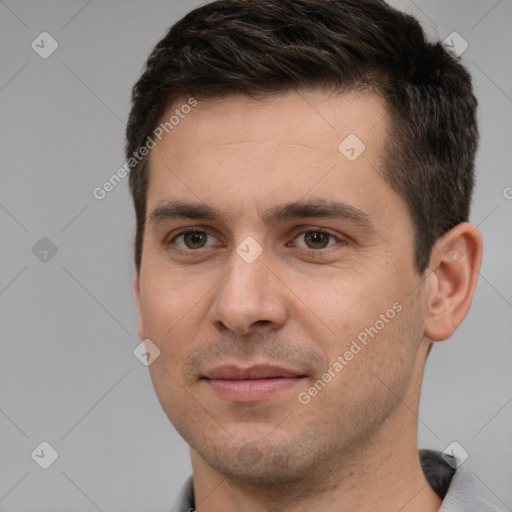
x,y
313,252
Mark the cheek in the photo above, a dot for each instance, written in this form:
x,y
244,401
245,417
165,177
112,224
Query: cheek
x,y
170,314
170,310
349,304
372,319
168,297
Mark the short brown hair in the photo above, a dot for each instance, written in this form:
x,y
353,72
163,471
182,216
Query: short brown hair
x,y
262,47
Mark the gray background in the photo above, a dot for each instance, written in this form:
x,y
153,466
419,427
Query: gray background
x,y
68,375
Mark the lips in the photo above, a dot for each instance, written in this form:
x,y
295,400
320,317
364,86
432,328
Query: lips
x,y
253,384
253,372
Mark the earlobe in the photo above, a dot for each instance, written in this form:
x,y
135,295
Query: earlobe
x,y
451,283
136,291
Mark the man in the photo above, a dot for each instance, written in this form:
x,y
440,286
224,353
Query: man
x,y
302,202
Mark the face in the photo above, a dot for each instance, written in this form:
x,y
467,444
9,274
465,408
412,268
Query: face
x,y
277,281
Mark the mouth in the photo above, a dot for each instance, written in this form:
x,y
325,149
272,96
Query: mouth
x,y
253,384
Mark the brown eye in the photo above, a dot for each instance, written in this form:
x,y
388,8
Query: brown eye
x,y
316,239
195,239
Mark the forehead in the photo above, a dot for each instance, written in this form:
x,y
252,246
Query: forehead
x,y
235,152
310,117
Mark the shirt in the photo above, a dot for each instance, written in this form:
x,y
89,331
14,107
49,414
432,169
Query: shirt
x,y
456,487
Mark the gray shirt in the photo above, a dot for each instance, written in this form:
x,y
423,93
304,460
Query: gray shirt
x,y
457,487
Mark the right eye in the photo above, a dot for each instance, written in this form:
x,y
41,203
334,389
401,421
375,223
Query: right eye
x,y
192,239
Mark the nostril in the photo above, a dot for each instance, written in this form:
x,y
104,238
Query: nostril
x,y
261,322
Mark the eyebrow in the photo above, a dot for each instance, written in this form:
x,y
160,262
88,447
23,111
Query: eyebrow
x,y
295,210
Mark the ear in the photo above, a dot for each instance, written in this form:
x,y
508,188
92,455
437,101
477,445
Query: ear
x,y
136,290
451,280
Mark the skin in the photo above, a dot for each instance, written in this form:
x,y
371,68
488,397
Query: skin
x,y
353,446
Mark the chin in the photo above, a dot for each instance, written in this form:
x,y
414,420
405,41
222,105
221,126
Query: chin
x,y
267,464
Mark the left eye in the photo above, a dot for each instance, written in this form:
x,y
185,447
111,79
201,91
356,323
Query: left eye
x,y
315,239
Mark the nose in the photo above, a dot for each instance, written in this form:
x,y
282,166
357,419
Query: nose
x,y
249,295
